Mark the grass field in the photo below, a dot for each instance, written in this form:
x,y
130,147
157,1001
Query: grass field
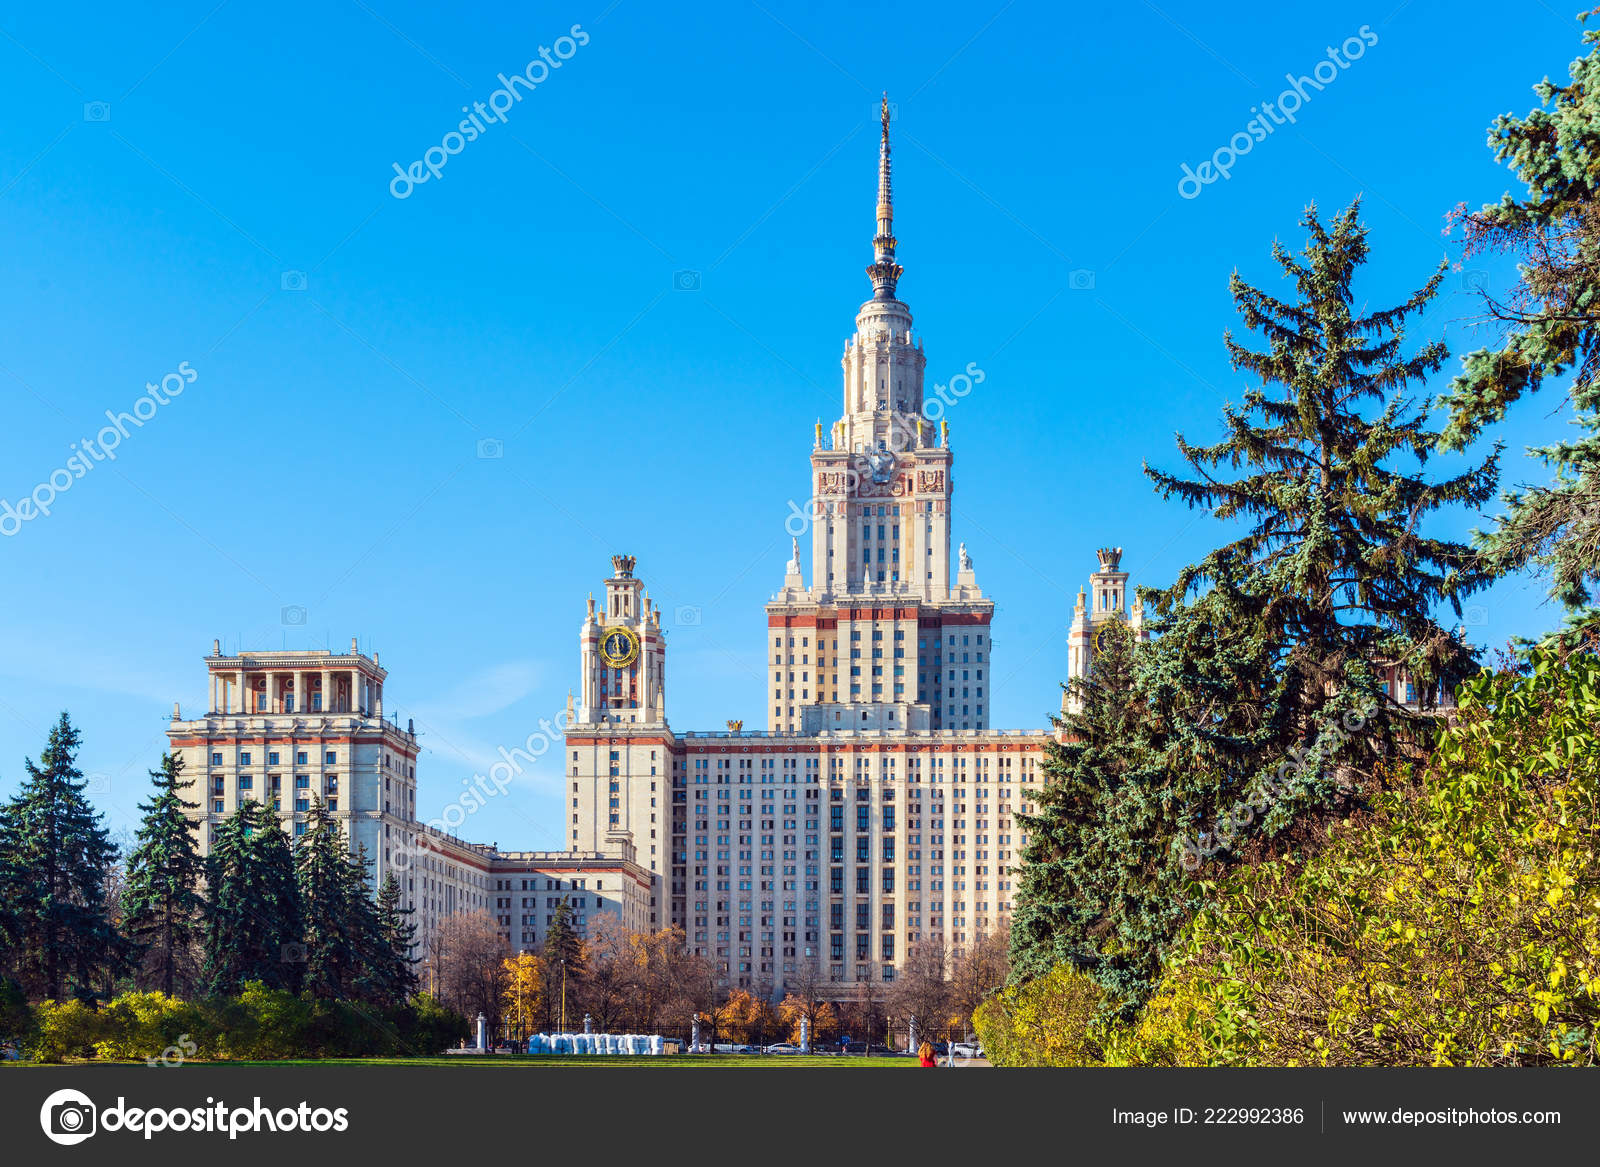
x,y
685,1061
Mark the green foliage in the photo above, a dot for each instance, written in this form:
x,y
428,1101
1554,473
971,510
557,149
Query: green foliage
x,y
55,856
563,959
162,907
1261,708
389,976
16,1018
1453,923
1095,840
137,1026
1551,319
64,1029
1332,576
259,1024
341,924
1053,1020
253,922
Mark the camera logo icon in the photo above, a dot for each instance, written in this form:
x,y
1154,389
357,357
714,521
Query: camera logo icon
x,y
687,615
68,1117
686,281
292,615
97,784
1081,279
292,954
491,448
1475,281
293,281
97,111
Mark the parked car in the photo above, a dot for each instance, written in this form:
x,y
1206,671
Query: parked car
x,y
783,1047
967,1049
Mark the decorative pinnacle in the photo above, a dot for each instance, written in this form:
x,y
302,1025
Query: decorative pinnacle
x,y
884,272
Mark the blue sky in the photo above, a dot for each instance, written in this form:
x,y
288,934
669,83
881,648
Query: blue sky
x,y
201,183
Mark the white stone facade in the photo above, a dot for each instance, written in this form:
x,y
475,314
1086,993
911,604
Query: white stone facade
x,y
876,808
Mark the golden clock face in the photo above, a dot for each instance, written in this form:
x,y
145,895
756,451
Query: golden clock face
x,y
619,648
1103,635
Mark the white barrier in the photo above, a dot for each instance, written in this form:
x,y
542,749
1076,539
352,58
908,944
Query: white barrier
x,y
596,1044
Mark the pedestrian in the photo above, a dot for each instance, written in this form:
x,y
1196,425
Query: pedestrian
x,y
925,1056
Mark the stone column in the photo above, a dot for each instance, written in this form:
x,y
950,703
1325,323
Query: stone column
x,y
239,698
327,691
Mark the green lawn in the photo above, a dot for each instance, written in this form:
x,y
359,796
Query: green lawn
x,y
690,1061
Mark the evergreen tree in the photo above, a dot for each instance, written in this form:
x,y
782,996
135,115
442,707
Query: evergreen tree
x,y
57,854
253,922
1332,584
162,907
563,960
1552,321
1065,882
394,975
339,918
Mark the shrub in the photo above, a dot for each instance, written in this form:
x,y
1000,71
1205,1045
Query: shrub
x,y
67,1029
136,1026
1457,924
1049,1021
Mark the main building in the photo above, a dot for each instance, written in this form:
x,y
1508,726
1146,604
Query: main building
x,y
874,810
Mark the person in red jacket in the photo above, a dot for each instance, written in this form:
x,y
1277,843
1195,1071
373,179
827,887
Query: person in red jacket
x,y
925,1056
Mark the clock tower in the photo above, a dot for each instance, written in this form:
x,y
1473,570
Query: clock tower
x,y
624,654
882,638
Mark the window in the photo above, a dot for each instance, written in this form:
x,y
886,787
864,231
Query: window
x,y
329,758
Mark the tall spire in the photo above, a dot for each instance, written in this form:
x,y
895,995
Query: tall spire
x,y
884,272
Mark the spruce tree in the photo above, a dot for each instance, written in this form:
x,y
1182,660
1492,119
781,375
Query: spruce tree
x,y
393,975
1064,885
338,914
57,854
563,958
163,911
1551,318
253,919
1332,582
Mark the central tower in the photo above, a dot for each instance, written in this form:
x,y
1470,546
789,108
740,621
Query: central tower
x,y
880,637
